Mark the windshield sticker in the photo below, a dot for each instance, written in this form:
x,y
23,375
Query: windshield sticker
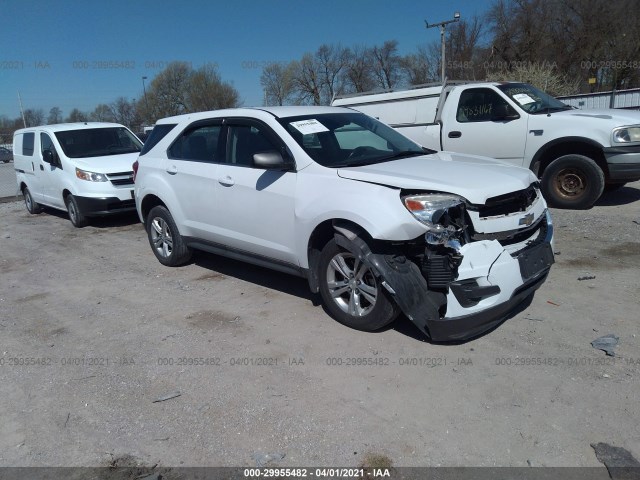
x,y
523,98
307,127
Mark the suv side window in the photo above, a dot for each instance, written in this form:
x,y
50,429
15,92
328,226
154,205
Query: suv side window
x,y
478,105
199,144
244,141
27,143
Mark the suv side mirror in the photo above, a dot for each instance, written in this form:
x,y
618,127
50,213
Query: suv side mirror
x,y
504,112
271,161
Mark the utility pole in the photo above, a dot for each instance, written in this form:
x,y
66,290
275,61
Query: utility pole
x,y
146,103
442,25
22,111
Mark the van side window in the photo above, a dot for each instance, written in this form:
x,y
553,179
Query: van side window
x,y
478,105
27,143
46,143
199,144
244,141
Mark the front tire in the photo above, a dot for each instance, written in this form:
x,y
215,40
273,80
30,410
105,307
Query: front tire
x,y
77,218
351,292
573,182
33,207
165,239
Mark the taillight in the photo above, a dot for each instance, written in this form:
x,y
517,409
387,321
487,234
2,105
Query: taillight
x,y
135,170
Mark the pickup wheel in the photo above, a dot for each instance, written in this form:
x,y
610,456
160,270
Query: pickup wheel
x,y
165,239
77,218
572,181
33,207
351,292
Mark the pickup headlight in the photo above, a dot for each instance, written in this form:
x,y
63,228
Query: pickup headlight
x,y
90,176
626,134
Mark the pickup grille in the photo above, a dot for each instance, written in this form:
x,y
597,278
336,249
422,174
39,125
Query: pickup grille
x,y
509,203
121,179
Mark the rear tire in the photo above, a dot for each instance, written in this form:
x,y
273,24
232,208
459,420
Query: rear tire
x,y
33,207
77,218
573,182
166,242
351,292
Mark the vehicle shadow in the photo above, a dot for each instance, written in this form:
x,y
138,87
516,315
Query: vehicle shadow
x,y
108,221
264,277
623,196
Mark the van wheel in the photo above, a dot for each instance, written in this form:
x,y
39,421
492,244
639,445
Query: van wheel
x,y
351,292
33,207
78,220
165,239
572,181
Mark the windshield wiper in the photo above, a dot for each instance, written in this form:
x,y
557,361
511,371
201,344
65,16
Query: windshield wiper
x,y
405,153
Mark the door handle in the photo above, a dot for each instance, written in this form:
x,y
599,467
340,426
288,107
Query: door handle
x,y
227,181
42,167
172,170
455,134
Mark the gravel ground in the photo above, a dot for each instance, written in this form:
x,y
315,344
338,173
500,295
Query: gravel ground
x,y
93,330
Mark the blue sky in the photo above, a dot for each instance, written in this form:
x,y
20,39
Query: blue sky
x,y
72,53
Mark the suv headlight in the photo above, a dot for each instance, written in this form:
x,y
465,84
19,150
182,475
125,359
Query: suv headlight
x,y
626,134
90,176
433,209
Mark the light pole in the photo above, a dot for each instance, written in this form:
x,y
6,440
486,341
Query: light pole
x,y
146,103
456,18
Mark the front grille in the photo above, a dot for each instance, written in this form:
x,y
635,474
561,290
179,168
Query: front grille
x,y
121,178
509,203
510,237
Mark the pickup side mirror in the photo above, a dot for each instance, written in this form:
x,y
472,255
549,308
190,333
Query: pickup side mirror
x,y
271,161
504,112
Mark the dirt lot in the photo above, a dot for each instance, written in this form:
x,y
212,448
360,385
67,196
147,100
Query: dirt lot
x,y
93,330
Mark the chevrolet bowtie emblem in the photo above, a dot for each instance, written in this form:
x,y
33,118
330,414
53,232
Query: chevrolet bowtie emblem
x,y
526,220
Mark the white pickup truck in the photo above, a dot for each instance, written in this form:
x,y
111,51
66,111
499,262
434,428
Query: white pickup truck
x,y
577,154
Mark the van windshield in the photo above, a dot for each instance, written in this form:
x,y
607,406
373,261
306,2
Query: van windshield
x,y
98,142
348,139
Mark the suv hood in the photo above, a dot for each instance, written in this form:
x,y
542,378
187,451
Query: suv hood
x,y
472,177
107,164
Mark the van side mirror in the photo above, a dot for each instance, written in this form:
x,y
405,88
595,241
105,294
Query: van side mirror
x,y
504,112
271,161
47,156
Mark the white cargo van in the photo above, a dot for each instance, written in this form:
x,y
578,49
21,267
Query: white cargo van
x,y
83,168
576,153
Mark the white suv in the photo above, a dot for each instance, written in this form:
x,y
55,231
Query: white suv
x,y
375,223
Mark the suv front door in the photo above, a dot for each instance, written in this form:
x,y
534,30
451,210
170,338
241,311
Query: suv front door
x,y
256,205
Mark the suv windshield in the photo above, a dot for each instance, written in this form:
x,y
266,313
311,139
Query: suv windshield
x,y
348,139
98,142
532,100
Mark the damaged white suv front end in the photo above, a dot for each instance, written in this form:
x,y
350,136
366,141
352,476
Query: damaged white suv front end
x,y
376,223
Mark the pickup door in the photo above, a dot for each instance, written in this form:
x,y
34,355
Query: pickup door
x,y
481,121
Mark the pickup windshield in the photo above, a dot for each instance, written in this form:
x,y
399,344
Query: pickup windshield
x,y
532,100
349,139
98,142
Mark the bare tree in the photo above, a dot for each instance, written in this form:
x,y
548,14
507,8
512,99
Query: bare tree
x,y
306,80
33,117
331,61
124,112
102,113
77,116
207,91
278,83
386,63
167,94
55,116
418,67
358,72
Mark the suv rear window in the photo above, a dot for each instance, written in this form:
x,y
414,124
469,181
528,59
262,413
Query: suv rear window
x,y
157,134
